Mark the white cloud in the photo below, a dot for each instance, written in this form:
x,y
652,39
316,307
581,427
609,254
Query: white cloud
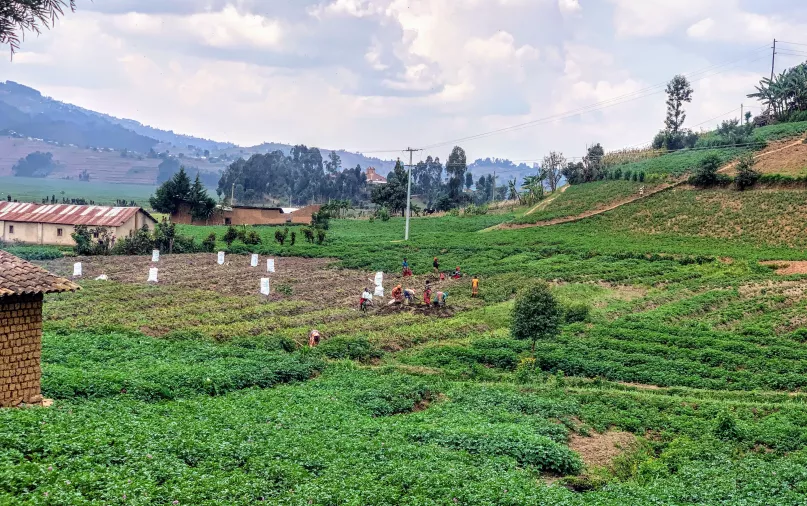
x,y
569,6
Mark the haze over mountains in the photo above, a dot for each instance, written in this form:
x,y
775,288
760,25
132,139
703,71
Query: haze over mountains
x,y
119,150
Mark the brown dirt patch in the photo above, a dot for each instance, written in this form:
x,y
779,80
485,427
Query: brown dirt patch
x,y
600,450
787,267
640,386
309,279
792,160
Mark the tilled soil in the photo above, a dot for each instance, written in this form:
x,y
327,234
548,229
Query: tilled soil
x,y
316,280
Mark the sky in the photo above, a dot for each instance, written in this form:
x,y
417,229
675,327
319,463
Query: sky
x,y
378,76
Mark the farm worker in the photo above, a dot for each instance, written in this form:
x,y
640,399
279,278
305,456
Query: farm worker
x,y
409,295
457,273
427,294
440,299
397,295
366,298
442,276
406,270
313,338
436,265
475,286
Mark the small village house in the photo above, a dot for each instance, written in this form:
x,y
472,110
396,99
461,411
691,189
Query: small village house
x,y
373,178
248,215
54,223
22,289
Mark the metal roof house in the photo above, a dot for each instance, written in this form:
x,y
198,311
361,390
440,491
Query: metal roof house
x,y
54,223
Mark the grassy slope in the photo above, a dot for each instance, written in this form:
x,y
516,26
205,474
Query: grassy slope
x,y
583,197
34,190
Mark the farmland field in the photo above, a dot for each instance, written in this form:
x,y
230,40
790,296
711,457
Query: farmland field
x,y
34,190
583,197
681,385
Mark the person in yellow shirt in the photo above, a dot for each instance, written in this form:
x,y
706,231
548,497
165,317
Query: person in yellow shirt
x,y
475,286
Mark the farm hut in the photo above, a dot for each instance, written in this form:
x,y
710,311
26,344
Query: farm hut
x,y
249,215
22,289
54,223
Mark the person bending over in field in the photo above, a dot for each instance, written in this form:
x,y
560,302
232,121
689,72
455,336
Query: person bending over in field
x,y
427,295
436,265
457,273
313,338
409,295
406,270
440,299
397,295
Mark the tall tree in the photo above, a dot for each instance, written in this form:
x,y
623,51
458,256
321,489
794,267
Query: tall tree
x,y
334,163
469,180
679,92
393,194
592,163
553,164
172,193
20,16
202,205
456,167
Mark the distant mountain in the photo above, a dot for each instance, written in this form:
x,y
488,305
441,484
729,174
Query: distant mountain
x,y
504,169
82,139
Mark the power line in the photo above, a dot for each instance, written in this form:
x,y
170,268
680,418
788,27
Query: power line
x,y
793,43
602,104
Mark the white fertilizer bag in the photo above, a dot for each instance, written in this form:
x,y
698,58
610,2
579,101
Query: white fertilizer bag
x,y
379,278
254,261
155,256
152,275
102,277
265,286
379,291
221,258
77,270
270,265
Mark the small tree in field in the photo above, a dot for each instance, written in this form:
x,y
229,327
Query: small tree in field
x,y
230,236
536,315
706,174
746,175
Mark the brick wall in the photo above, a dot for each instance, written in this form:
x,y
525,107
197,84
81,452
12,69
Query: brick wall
x,y
20,349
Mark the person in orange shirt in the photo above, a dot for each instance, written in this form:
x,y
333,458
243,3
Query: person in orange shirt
x,y
313,338
475,286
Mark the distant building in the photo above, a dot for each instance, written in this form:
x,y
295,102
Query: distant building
x,y
249,215
22,287
374,178
55,223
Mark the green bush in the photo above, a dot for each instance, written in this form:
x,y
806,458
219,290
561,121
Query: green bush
x,y
576,312
536,314
209,244
706,173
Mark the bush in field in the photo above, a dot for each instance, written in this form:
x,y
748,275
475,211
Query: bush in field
x,y
230,236
577,312
706,174
92,241
536,315
209,244
293,238
280,236
309,235
252,238
726,427
641,177
141,243
382,213
746,175
320,236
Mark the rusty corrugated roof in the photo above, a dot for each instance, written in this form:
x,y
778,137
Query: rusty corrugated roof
x,y
18,277
67,214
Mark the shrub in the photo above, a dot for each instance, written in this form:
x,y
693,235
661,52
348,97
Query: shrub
x,y
92,241
320,236
726,427
382,213
577,312
706,174
252,238
280,236
309,235
230,236
746,175
641,177
536,315
293,238
140,243
209,244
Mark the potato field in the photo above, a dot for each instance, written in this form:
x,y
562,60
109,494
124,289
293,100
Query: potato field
x,y
679,376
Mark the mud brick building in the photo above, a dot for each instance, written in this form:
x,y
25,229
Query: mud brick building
x,y
248,215
22,288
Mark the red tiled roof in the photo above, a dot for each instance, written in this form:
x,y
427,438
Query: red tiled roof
x,y
67,214
18,277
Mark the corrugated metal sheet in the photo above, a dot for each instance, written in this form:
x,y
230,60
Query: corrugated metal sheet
x,y
67,214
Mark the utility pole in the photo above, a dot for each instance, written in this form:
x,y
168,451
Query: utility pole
x,y
773,64
409,192
232,196
741,115
493,197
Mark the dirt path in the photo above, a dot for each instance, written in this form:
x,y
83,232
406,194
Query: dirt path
x,y
634,198
546,202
